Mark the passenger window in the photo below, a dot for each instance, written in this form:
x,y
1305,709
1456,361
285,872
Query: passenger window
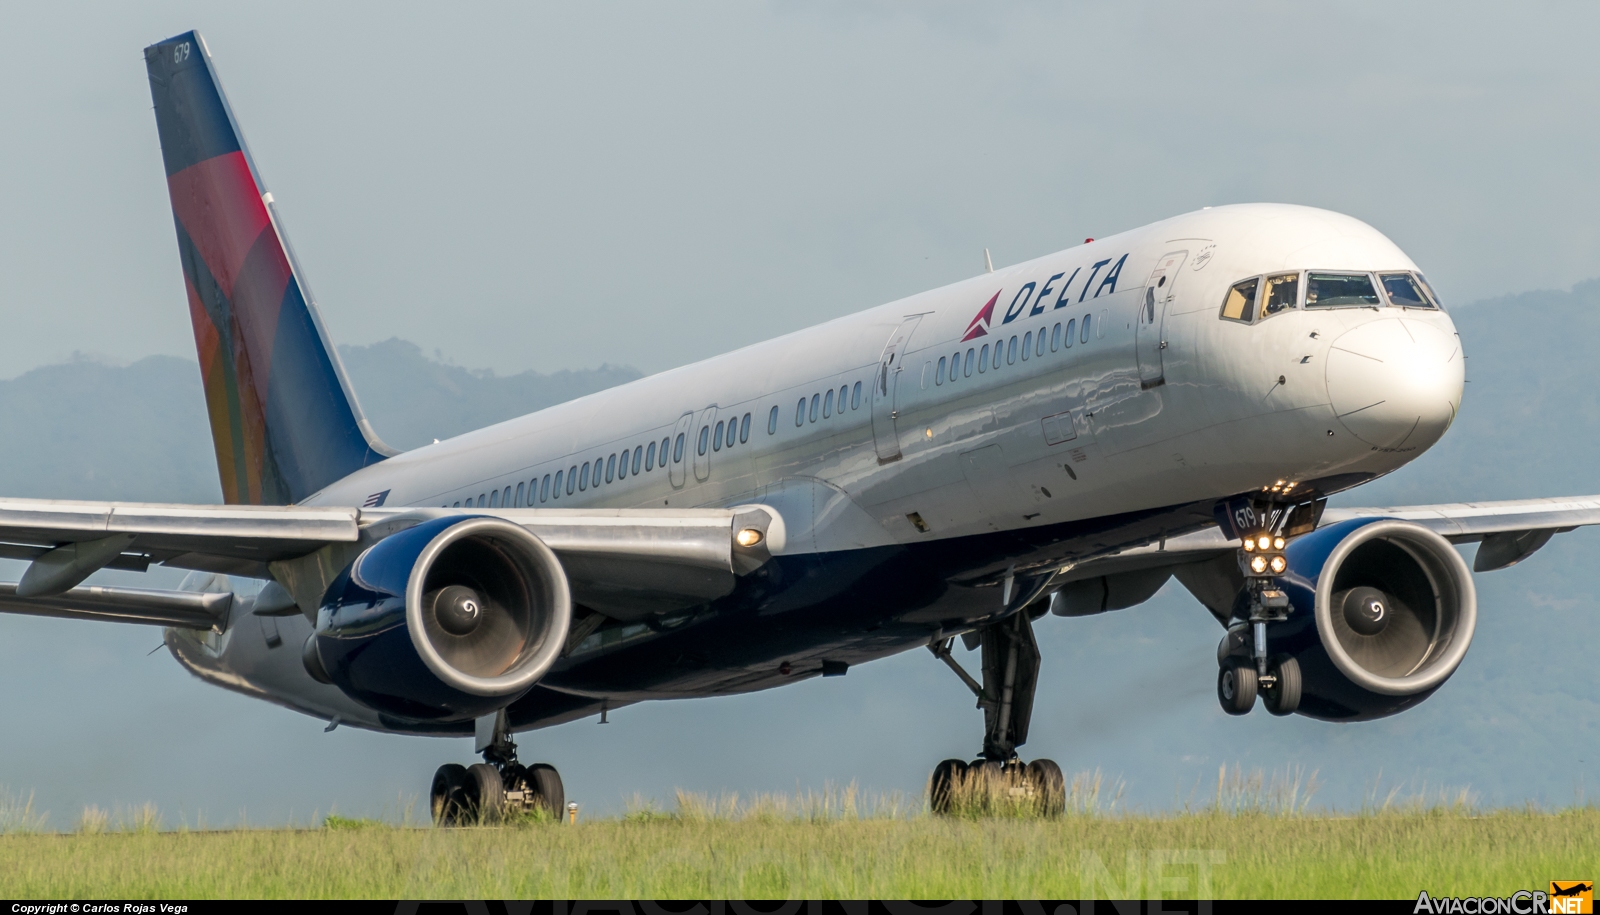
x,y
938,376
650,457
1072,330
505,497
583,477
704,431
521,487
457,505
638,456
1039,349
983,358
855,397
1403,290
800,413
1083,335
611,465
772,422
732,432
1333,290
716,439
1282,294
1240,305
827,404
481,503
1055,337
597,463
677,449
844,391
572,479
1011,352
494,499
998,347
816,399
744,429
622,467
955,365
544,489
966,367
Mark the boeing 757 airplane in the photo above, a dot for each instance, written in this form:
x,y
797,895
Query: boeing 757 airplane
x,y
1059,437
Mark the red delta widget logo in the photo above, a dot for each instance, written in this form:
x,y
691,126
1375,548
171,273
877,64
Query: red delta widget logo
x,y
1034,295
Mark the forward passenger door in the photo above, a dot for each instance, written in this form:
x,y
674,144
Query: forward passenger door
x,y
1151,329
885,385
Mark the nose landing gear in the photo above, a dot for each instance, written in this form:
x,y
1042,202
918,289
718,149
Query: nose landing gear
x,y
1246,668
489,791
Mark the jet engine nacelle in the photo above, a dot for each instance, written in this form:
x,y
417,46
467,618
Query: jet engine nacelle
x,y
446,621
1381,614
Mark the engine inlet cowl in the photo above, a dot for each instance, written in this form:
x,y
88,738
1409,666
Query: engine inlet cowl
x,y
1382,612
444,621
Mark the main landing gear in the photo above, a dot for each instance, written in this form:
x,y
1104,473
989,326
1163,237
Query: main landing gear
x,y
1010,676
489,791
1246,667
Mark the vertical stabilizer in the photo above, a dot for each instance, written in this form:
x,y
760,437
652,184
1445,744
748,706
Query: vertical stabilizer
x,y
283,417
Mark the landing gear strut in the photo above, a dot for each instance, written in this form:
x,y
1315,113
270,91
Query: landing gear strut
x,y
1247,669
1010,677
487,792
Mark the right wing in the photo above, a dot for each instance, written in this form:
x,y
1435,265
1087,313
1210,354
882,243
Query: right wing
x,y
625,563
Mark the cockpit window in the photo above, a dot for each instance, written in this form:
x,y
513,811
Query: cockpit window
x,y
1432,296
1403,290
1282,294
1332,290
1240,304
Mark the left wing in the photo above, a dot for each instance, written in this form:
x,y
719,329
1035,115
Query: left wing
x,y
1508,531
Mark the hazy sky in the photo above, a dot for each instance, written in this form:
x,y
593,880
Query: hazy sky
x,y
555,187
534,186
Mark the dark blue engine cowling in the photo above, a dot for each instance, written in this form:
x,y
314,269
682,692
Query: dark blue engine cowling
x,y
1381,613
448,620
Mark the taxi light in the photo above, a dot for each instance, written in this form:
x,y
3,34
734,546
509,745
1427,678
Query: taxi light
x,y
1264,541
1278,564
1249,544
1258,564
1277,543
748,537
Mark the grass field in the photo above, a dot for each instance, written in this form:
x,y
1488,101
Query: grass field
x,y
830,846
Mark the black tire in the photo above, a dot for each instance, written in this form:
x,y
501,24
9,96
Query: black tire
x,y
946,780
488,793
1236,687
1283,698
447,799
1051,785
545,783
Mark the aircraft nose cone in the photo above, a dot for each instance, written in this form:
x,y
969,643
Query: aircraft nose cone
x,y
1396,383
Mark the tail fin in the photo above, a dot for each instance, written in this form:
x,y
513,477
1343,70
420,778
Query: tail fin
x,y
283,417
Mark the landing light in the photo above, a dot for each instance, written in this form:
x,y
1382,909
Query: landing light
x,y
748,537
1277,543
1258,564
1278,564
1264,541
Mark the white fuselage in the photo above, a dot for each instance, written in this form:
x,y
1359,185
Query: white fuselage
x,y
1239,406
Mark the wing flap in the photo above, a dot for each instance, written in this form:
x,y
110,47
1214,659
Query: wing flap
x,y
181,609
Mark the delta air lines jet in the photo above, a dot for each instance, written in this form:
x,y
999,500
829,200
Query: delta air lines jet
x,y
1059,437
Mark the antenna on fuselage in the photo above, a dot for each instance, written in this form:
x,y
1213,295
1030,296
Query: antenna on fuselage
x,y
988,263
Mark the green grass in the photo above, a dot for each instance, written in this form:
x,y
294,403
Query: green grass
x,y
1254,840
